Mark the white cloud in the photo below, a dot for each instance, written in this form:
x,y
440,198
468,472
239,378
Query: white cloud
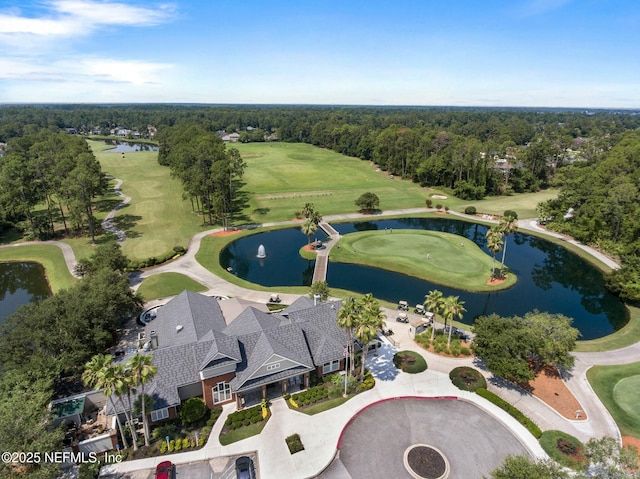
x,y
87,70
66,18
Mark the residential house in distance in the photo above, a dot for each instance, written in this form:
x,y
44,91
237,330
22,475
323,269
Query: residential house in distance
x,y
230,350
231,138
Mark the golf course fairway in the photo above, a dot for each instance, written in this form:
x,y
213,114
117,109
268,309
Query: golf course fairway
x,y
442,258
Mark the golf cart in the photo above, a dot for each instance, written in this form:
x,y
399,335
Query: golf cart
x,y
403,305
403,318
419,309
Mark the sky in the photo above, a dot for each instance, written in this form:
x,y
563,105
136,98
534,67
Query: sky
x,y
531,53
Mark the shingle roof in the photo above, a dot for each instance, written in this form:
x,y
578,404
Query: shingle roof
x,y
198,315
307,335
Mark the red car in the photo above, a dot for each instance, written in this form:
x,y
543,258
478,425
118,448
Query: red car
x,y
165,470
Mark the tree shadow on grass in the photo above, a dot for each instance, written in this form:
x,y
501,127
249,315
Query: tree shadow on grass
x,y
126,223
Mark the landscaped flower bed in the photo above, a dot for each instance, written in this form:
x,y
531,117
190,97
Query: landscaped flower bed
x,y
245,423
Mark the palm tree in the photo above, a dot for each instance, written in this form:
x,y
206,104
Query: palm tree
x,y
308,209
347,319
508,225
123,386
309,228
315,217
142,371
369,322
433,302
96,375
452,307
494,244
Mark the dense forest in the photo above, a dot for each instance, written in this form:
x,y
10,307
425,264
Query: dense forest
x,y
53,169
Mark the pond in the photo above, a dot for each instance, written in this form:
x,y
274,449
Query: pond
x,y
128,146
21,283
550,278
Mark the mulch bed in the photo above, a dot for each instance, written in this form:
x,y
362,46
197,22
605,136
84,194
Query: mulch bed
x,y
426,462
225,233
549,387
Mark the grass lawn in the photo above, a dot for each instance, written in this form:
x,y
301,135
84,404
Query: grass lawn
x,y
323,405
168,284
242,433
628,335
49,256
157,218
281,177
523,203
617,387
442,258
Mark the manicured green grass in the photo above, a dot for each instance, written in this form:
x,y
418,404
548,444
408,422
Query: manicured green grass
x,y
157,218
281,177
324,405
524,203
617,388
49,256
168,284
628,335
441,258
242,433
563,448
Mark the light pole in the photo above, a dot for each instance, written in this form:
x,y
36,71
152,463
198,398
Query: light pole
x,y
345,353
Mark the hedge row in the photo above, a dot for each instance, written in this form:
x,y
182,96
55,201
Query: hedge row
x,y
311,395
176,252
502,404
245,417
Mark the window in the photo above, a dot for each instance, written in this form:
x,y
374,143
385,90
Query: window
x,y
221,392
271,367
331,367
159,414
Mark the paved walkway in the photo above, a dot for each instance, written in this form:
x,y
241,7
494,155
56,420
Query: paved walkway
x,y
320,433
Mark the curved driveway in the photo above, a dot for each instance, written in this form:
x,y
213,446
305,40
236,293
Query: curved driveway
x,y
456,427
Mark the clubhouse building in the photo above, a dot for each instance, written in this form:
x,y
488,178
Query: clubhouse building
x,y
232,350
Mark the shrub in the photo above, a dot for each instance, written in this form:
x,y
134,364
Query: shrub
x,y
429,202
409,362
172,445
516,413
438,206
470,210
446,208
467,379
192,410
179,249
511,213
186,444
177,445
202,439
214,414
294,443
163,447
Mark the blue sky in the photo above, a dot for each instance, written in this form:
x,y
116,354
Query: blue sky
x,y
565,53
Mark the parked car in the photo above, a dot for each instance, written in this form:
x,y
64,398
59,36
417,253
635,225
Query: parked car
x,y
165,470
402,318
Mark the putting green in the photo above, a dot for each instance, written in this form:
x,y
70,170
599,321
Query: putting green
x,y
625,394
442,258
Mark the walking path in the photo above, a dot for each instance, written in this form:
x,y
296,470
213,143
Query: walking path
x,y
319,433
108,223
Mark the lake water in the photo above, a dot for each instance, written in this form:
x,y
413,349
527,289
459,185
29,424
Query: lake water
x,y
550,278
128,146
21,283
